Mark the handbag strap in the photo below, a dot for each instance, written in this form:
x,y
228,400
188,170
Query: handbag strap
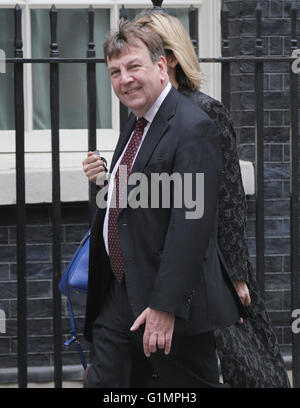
x,y
74,338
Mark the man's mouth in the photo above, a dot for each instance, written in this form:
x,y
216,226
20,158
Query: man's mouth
x,y
131,91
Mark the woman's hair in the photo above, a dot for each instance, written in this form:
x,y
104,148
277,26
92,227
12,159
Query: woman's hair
x,y
176,40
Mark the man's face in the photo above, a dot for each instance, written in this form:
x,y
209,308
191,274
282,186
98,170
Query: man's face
x,y
136,80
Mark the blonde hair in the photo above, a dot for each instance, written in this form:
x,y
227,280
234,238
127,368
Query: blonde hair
x,y
176,40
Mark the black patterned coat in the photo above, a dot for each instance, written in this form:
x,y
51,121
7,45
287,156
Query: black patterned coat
x,y
249,353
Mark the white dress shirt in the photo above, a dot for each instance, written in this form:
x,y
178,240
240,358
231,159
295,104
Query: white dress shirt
x,y
149,116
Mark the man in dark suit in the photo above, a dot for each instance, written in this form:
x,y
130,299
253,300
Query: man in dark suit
x,y
157,285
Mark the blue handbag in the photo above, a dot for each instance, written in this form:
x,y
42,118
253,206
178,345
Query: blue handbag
x,y
75,281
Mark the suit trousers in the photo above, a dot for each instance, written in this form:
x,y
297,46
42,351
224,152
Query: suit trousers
x,y
118,359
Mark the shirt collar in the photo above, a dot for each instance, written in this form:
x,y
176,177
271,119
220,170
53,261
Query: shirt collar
x,y
150,114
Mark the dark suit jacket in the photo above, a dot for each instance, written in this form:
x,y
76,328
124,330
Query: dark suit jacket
x,y
171,263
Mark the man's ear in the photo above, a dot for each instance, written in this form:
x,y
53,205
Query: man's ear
x,y
163,67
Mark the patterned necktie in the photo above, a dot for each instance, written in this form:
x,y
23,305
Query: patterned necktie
x,y
114,246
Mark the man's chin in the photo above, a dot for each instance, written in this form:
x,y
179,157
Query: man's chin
x,y
135,109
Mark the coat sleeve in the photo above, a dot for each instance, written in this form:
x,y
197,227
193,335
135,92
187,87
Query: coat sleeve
x,y
232,207
187,238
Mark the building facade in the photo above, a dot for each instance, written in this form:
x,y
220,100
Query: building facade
x,y
72,42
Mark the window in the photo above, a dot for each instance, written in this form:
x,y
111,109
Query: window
x,y
72,39
6,81
72,42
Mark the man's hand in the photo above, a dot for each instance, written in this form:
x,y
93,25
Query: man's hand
x,y
93,166
243,292
159,327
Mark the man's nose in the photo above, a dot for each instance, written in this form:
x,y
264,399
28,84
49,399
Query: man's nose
x,y
125,77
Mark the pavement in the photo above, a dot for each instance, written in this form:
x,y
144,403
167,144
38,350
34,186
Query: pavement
x,y
71,384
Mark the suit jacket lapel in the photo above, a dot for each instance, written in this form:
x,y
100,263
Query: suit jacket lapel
x,y
123,139
156,131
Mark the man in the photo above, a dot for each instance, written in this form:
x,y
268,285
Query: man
x,y
157,288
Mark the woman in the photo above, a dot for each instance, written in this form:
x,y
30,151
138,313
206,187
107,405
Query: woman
x,y
248,352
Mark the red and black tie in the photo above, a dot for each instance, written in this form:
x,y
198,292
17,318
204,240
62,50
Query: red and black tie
x,y
114,246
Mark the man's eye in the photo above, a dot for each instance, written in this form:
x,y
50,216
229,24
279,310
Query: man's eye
x,y
113,73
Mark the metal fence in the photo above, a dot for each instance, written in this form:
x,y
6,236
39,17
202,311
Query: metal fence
x,y
54,62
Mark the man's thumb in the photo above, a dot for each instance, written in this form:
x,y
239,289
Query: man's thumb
x,y
138,322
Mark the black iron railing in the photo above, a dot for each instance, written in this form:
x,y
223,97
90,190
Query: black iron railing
x,y
54,61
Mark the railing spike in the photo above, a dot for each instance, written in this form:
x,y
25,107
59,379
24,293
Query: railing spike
x,y
225,8
157,3
18,32
258,6
123,12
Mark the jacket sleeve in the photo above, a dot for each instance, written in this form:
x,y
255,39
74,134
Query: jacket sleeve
x,y
232,207
188,233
